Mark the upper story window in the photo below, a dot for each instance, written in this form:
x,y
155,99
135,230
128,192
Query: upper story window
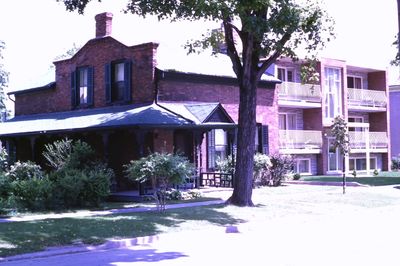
x,y
82,87
118,81
286,74
287,121
354,82
332,94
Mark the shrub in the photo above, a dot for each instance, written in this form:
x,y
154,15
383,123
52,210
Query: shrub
x,y
33,194
3,160
395,163
376,172
354,173
225,165
24,171
296,176
282,165
174,194
262,165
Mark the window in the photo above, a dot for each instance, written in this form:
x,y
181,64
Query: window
x,y
286,74
332,94
333,157
356,119
82,87
287,121
354,82
302,166
118,81
217,146
360,164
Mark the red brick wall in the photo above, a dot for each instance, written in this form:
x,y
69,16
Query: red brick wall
x,y
96,53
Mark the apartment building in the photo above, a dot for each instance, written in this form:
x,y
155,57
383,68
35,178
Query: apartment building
x,y
306,112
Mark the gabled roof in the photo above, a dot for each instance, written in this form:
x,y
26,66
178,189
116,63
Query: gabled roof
x,y
201,113
140,116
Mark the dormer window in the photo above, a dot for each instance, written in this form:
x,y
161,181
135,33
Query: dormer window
x,y
82,87
118,81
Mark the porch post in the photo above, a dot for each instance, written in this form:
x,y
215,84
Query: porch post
x,y
198,140
140,138
33,146
106,157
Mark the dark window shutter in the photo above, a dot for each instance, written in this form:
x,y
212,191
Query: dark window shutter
x,y
90,82
73,88
108,80
211,149
127,81
264,139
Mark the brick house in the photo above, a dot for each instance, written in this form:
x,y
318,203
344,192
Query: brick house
x,y
117,98
125,103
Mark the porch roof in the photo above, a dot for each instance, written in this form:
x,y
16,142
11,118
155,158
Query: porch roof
x,y
138,116
151,115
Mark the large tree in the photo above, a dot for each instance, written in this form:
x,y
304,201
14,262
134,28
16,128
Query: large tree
x,y
256,33
3,80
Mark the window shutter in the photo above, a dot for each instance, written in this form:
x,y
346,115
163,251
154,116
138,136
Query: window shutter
x,y
127,81
73,88
211,149
90,86
107,79
264,139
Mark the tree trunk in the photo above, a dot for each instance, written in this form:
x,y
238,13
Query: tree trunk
x,y
243,185
344,174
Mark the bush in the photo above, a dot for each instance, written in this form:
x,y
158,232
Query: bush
x,y
296,176
261,170
174,194
33,194
376,172
395,163
20,171
282,165
225,165
3,160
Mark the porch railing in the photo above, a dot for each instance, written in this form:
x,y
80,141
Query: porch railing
x,y
216,179
367,98
377,140
300,139
300,92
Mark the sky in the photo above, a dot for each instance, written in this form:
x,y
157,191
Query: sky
x,y
35,32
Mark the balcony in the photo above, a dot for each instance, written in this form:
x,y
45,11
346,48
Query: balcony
x,y
367,100
299,95
300,141
378,141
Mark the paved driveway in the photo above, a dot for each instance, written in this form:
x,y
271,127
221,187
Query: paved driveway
x,y
317,226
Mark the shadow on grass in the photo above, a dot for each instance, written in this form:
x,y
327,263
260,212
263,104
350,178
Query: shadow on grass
x,y
23,237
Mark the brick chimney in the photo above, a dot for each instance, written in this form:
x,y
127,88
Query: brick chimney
x,y
103,24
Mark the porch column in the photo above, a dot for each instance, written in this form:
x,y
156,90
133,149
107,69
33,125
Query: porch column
x,y
106,157
140,139
198,140
33,146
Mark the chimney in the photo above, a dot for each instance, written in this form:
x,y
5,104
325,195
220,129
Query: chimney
x,y
103,24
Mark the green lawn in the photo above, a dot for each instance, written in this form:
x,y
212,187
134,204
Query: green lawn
x,y
286,203
383,179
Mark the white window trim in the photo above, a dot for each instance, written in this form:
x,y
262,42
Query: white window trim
x,y
286,73
337,97
286,120
338,158
355,76
309,166
361,157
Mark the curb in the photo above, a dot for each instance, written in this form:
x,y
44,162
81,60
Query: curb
x,y
81,248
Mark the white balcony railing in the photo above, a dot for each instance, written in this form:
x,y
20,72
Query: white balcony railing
x,y
292,91
300,139
377,140
367,98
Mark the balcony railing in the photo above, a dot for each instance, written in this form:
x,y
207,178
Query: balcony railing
x,y
300,139
367,98
292,91
377,140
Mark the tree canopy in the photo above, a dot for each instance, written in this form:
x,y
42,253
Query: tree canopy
x,y
256,34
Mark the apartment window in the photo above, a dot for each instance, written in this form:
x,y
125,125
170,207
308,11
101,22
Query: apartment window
x,y
356,119
82,87
332,93
302,166
118,81
360,164
286,74
287,121
354,82
217,146
333,157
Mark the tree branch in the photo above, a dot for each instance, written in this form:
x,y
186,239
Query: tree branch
x,y
231,49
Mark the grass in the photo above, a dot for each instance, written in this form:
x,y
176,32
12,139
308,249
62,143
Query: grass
x,y
383,179
293,203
